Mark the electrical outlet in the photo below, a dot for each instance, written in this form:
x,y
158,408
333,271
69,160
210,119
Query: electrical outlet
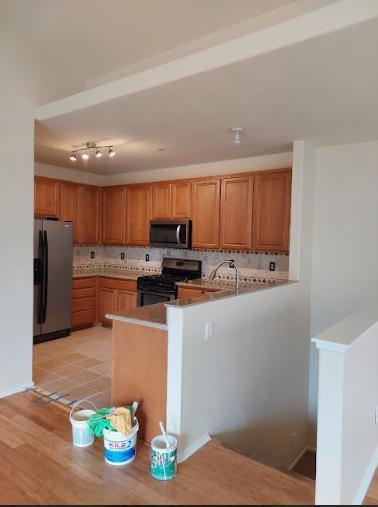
x,y
122,256
147,257
93,255
272,266
231,265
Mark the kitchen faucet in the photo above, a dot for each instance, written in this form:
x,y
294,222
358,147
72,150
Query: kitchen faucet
x,y
232,264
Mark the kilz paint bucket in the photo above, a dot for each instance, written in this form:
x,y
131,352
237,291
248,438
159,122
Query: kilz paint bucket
x,y
81,434
120,449
163,459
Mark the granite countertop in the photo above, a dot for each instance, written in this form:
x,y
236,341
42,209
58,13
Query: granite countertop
x,y
126,275
156,315
149,316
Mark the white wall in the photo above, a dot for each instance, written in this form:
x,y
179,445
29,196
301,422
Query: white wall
x,y
24,82
276,161
63,173
248,384
345,251
347,450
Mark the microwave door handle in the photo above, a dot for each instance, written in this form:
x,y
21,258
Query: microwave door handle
x,y
178,230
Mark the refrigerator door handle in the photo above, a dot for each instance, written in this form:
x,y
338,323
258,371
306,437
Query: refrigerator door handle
x,y
45,268
41,278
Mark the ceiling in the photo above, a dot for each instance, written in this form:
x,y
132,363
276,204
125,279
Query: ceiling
x,y
322,90
91,38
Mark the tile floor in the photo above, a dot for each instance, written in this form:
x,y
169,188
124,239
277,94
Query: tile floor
x,y
77,367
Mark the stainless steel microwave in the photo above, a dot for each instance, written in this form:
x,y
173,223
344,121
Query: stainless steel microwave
x,y
170,233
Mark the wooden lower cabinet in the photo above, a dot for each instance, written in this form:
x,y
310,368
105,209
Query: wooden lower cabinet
x,y
83,302
115,295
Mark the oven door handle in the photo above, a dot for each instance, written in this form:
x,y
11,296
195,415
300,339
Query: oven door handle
x,y
178,230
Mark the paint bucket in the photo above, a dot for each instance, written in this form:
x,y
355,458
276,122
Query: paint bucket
x,y
81,434
163,459
120,449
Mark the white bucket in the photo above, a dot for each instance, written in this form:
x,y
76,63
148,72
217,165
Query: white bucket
x,y
120,449
81,434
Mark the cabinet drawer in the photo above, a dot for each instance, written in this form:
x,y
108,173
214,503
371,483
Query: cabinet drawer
x,y
83,304
109,283
83,283
83,318
84,293
127,285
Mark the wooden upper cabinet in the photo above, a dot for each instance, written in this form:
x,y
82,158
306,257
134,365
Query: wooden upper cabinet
x,y
113,215
181,197
46,197
271,211
236,213
138,214
161,200
69,195
205,213
89,215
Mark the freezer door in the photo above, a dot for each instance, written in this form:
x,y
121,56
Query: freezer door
x,y
37,277
59,253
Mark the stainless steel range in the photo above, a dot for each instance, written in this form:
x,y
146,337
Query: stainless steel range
x,y
161,288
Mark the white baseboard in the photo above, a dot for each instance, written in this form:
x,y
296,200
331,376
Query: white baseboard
x,y
15,390
192,448
300,456
367,478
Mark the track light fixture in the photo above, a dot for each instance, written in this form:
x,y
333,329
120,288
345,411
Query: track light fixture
x,y
86,150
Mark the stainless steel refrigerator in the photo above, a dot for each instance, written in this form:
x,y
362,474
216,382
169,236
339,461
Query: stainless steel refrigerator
x,y
52,279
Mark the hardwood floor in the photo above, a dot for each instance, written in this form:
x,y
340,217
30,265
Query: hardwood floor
x,y
372,496
39,465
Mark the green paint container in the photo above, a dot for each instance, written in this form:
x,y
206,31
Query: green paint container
x,y
163,459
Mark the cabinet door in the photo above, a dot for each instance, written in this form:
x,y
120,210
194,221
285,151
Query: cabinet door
x,y
205,214
46,197
89,215
138,213
181,199
113,209
69,196
236,213
126,300
271,211
161,200
107,304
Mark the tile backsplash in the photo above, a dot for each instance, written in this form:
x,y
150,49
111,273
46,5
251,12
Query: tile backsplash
x,y
109,257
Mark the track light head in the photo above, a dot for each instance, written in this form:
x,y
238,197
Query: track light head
x,y
111,152
98,154
85,156
73,157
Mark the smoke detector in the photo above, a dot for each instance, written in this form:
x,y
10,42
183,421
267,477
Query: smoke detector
x,y
237,133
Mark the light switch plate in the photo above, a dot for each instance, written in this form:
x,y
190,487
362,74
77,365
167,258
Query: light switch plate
x,y
208,329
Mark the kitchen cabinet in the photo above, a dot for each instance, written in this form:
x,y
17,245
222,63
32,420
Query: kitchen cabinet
x,y
107,300
187,292
271,211
171,200
46,197
161,200
138,213
236,213
115,296
181,197
113,215
205,213
69,196
90,215
83,302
